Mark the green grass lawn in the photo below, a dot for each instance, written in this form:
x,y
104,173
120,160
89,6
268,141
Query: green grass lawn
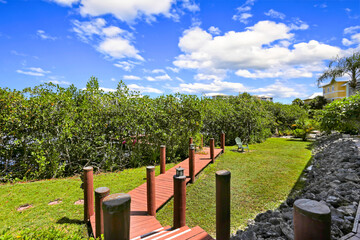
x,y
260,180
66,217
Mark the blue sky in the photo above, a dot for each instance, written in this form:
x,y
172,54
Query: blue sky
x,y
264,47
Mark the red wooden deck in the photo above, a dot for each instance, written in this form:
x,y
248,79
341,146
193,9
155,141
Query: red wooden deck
x,y
143,226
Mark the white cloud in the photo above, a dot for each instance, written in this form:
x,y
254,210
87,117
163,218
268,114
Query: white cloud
x,y
126,10
126,65
33,71
112,31
65,2
323,5
355,39
351,30
131,77
259,47
278,89
275,14
119,48
43,35
85,30
175,70
163,77
151,79
107,89
281,90
158,71
136,87
243,12
180,79
215,86
202,76
214,30
110,40
190,5
113,79
243,17
59,82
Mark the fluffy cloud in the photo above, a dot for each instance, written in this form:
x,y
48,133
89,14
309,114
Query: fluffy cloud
x,y
275,14
131,77
351,30
163,77
278,89
243,12
259,47
175,70
65,2
126,10
214,30
43,35
243,17
281,90
139,88
119,48
158,71
33,71
215,86
126,65
354,38
112,41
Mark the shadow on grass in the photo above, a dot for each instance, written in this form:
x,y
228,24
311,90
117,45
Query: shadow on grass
x,y
64,220
309,147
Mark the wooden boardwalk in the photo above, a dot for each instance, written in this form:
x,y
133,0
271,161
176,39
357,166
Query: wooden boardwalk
x,y
143,226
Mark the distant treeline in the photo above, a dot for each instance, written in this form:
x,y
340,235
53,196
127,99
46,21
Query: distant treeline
x,y
49,131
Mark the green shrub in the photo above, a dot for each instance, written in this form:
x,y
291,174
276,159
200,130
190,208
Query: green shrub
x,y
48,131
341,115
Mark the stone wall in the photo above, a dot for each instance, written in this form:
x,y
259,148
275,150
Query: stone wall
x,y
332,178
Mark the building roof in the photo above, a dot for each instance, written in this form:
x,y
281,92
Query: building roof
x,y
332,81
314,95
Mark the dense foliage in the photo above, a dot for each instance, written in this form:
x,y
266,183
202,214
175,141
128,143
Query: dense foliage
x,y
49,131
341,115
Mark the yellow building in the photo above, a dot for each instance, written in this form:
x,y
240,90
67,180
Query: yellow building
x,y
335,90
308,99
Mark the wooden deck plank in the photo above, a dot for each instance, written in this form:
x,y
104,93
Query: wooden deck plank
x,y
140,222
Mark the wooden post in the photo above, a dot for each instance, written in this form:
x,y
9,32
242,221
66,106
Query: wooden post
x,y
100,194
116,210
202,142
190,140
162,159
212,149
222,139
312,220
192,163
223,204
179,200
88,193
150,184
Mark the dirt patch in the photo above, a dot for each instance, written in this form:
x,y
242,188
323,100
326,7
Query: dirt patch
x,y
56,201
79,202
24,207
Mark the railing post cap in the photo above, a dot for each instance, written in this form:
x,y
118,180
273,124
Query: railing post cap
x,y
163,146
314,209
192,146
180,177
102,191
150,168
223,173
88,168
116,202
211,138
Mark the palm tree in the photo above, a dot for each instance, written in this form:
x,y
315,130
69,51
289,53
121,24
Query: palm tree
x,y
341,66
